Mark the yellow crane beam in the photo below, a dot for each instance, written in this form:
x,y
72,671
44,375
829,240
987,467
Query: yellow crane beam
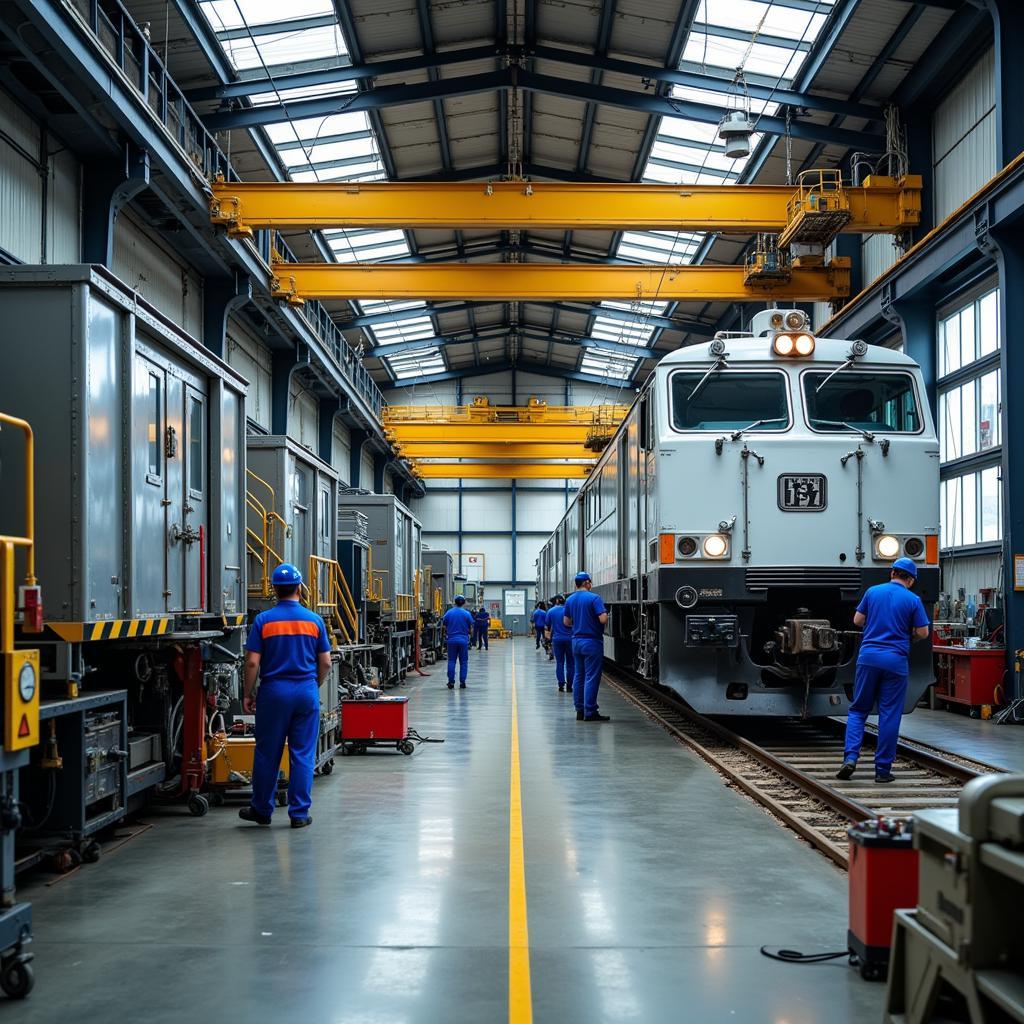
x,y
480,410
489,433
880,205
476,449
550,282
502,470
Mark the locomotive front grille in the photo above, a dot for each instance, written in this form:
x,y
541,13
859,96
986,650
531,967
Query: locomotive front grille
x,y
803,576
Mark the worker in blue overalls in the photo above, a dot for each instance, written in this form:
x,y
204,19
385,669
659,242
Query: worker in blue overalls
x,y
891,616
539,618
481,627
458,625
586,615
560,637
289,651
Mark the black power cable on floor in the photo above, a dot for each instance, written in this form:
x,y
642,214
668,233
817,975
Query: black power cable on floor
x,y
792,956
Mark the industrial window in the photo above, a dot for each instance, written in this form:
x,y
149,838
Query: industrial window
x,y
154,434
863,401
195,446
970,421
728,400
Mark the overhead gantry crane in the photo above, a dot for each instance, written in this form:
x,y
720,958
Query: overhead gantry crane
x,y
504,442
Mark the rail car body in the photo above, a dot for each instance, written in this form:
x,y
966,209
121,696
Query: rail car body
x,y
744,505
438,595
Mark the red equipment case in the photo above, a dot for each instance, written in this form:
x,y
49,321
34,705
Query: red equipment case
x,y
970,675
383,722
883,878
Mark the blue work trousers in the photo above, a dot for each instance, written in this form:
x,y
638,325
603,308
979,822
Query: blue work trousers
x,y
888,690
565,661
480,637
539,630
458,650
285,711
589,657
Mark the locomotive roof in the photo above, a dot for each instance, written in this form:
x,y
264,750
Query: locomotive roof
x,y
749,349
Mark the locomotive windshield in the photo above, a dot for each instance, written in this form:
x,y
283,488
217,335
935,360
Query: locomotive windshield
x,y
729,400
862,401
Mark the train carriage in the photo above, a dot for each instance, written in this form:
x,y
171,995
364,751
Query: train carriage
x,y
757,486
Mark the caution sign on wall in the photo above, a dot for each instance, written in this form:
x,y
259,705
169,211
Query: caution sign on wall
x,y
21,699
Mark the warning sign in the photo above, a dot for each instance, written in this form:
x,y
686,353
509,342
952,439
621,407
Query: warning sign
x,y
24,729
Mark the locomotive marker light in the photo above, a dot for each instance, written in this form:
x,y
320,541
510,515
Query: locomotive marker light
x,y
887,546
716,546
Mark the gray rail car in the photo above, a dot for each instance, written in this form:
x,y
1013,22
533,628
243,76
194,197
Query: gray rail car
x,y
741,509
438,595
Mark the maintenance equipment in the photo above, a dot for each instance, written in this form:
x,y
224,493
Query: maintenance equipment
x,y
142,434
962,948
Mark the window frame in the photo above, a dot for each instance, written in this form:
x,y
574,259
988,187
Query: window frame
x,y
905,372
700,369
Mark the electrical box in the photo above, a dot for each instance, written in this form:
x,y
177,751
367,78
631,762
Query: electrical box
x,y
712,631
21,699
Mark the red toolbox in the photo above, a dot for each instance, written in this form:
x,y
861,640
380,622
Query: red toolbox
x,y
383,722
970,675
883,878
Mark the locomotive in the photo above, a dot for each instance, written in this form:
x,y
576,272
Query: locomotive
x,y
757,486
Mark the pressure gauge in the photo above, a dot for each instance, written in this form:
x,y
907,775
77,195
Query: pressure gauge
x,y
27,682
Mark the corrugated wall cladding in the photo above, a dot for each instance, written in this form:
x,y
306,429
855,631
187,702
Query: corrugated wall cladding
x,y
252,359
158,275
303,416
964,138
26,231
366,469
341,450
971,574
878,254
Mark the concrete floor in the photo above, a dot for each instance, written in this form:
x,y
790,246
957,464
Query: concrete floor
x,y
1000,745
650,887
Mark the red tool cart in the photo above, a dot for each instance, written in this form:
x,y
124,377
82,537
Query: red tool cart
x,y
883,878
383,722
970,675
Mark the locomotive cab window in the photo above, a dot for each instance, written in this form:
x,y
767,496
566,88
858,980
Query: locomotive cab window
x,y
727,400
862,401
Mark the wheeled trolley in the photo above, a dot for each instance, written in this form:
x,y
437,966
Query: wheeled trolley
x,y
383,722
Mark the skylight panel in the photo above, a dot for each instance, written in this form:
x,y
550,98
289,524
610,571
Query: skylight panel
x,y
421,363
601,363
763,17
307,93
230,14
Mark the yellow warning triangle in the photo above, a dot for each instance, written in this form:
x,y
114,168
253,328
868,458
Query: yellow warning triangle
x,y
23,729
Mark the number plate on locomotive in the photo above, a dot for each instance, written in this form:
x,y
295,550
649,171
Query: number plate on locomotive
x,y
803,492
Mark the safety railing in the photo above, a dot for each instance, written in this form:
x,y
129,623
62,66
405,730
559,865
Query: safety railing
x,y
438,603
404,605
8,544
330,598
608,415
130,49
375,580
262,545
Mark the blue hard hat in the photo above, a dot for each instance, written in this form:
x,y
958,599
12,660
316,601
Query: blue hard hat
x,y
906,565
286,575
459,599
582,577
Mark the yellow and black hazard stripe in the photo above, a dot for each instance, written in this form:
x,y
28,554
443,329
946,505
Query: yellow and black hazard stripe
x,y
113,629
231,621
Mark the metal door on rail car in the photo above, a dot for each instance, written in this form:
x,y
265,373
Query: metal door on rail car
x,y
171,500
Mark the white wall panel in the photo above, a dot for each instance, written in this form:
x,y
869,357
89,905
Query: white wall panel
x,y
438,512
145,265
497,552
486,511
878,254
64,220
964,138
303,416
341,451
251,357
366,470
971,574
540,511
527,551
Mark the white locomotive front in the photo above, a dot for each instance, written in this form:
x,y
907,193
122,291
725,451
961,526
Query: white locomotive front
x,y
759,484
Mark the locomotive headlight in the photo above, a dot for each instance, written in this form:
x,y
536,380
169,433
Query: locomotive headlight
x,y
887,546
784,345
715,546
804,344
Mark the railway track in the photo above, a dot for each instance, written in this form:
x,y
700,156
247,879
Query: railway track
x,y
788,766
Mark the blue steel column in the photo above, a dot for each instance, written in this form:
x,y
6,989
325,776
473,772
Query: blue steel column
x,y
849,246
1008,18
380,468
329,409
106,186
1007,246
222,295
915,317
357,439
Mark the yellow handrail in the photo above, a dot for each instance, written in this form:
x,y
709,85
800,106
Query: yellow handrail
x,y
404,604
438,598
374,586
268,518
28,541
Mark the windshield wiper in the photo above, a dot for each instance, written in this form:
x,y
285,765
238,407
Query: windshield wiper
x,y
866,434
737,434
720,364
857,349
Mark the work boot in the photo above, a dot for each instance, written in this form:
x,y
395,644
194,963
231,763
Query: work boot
x,y
451,684
847,770
302,822
462,686
561,689
248,814
579,716
597,717
884,775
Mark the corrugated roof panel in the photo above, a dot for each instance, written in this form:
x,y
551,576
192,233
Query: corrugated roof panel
x,y
644,27
469,21
386,26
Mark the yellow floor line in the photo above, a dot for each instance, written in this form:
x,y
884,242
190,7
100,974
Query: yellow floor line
x,y
520,1003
